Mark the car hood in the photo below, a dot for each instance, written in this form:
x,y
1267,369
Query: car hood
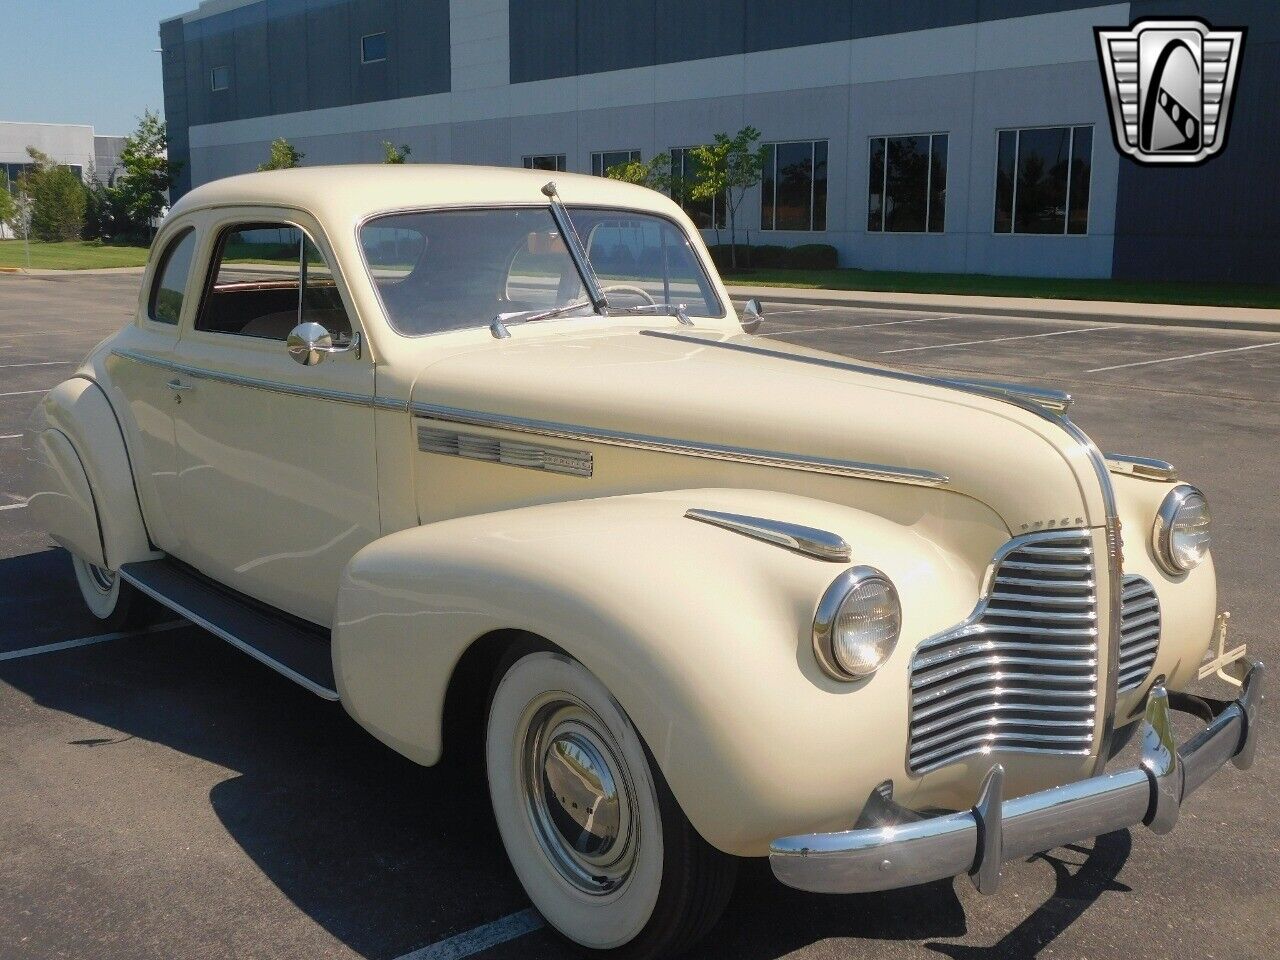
x,y
749,393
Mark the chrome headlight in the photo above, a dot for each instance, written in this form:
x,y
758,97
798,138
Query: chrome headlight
x,y
1180,536
857,624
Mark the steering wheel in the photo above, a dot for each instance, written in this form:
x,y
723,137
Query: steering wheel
x,y
629,288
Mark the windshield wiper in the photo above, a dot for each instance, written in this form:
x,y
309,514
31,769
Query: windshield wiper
x,y
498,326
662,309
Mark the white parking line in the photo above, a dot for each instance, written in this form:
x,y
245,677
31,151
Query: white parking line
x,y
480,938
42,363
10,436
14,506
88,641
1187,356
971,343
855,326
19,393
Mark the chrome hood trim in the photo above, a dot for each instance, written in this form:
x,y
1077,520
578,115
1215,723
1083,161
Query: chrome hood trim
x,y
819,544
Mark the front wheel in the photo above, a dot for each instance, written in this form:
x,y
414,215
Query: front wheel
x,y
599,843
116,603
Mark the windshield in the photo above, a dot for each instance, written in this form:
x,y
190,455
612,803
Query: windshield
x,y
454,269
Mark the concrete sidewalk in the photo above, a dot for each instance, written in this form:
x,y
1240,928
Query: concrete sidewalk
x,y
1094,311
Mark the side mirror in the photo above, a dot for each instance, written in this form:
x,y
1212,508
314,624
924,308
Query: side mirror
x,y
752,315
308,343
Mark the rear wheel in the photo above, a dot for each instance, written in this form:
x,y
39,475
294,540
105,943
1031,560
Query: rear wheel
x,y
114,602
594,834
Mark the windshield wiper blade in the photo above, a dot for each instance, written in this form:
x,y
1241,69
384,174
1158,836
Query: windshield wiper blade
x,y
498,326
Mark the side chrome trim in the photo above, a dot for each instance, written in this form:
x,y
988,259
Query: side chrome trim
x,y
809,541
475,446
320,691
1144,468
1107,693
689,448
273,386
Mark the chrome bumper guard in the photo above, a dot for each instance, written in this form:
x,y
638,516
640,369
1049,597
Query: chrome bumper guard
x,y
977,841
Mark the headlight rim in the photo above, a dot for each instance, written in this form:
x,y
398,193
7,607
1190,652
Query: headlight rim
x,y
1162,528
824,619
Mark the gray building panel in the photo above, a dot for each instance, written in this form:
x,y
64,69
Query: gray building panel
x,y
287,43
420,54
330,50
616,34
774,24
693,31
544,41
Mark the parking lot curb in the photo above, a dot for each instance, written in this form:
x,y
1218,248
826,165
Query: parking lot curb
x,y
1093,311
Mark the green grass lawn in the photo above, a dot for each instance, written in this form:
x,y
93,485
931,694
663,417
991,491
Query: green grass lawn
x,y
978,285
71,255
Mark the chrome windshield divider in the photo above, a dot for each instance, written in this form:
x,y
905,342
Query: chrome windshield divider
x,y
810,541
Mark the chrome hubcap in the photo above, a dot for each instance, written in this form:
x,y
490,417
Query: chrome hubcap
x,y
577,794
104,580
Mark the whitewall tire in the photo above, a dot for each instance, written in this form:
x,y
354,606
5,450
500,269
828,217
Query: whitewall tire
x,y
592,831
108,597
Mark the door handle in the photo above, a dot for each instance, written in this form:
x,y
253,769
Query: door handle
x,y
177,386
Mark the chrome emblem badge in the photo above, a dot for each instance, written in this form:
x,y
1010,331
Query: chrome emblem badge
x,y
1170,85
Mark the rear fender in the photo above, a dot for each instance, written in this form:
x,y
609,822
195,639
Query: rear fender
x,y
702,635
78,412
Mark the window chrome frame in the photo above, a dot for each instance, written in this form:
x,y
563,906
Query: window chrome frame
x,y
709,272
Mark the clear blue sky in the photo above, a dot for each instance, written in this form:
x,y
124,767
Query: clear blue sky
x,y
82,61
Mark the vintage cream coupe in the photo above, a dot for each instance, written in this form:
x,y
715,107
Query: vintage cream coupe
x,y
455,444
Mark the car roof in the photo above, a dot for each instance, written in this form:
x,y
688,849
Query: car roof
x,y
353,192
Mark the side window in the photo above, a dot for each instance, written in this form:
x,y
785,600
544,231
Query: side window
x,y
266,279
165,304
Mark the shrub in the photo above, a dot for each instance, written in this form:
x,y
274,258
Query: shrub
x,y
58,199
813,256
769,256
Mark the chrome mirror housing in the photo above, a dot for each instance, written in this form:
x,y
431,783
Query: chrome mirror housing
x,y
309,342
752,315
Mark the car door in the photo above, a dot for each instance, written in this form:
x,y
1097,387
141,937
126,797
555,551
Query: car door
x,y
278,478
141,376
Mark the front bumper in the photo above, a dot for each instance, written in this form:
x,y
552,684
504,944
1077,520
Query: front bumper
x,y
977,841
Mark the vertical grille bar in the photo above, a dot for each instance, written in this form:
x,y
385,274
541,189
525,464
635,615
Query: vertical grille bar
x,y
1021,673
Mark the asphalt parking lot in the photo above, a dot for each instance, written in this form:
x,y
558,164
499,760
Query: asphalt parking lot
x,y
162,795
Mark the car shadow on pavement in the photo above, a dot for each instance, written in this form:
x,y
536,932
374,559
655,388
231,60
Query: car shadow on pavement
x,y
388,856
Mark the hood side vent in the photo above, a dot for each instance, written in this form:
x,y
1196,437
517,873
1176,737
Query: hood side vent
x,y
512,453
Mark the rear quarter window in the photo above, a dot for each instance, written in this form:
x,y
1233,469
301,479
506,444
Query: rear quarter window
x,y
170,285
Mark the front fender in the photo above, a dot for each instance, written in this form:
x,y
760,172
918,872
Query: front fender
x,y
703,636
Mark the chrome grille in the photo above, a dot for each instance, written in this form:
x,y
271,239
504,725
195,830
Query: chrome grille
x,y
1139,631
1022,672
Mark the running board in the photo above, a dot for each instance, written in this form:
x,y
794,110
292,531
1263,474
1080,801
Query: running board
x,y
302,656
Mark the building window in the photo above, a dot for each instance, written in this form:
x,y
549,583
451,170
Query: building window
x,y
793,191
373,48
219,78
907,188
601,162
1042,180
545,161
705,214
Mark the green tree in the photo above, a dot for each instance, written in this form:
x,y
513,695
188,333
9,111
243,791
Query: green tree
x,y
142,190
393,154
728,167
655,174
57,196
8,208
283,156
